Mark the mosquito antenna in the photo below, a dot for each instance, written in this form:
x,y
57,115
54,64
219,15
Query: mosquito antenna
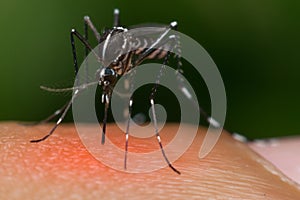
x,y
81,87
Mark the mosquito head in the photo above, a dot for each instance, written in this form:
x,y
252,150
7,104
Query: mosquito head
x,y
107,77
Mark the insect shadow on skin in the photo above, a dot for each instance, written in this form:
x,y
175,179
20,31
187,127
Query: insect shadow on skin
x,y
106,77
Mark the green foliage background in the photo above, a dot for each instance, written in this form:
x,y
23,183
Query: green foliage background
x,y
254,43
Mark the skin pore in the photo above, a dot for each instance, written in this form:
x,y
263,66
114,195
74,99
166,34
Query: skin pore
x,y
62,168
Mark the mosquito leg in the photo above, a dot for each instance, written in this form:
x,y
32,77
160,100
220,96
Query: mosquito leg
x,y
57,112
86,49
152,96
86,44
127,133
214,123
64,112
86,35
128,80
83,39
66,107
88,23
159,139
106,98
68,104
209,119
116,17
157,44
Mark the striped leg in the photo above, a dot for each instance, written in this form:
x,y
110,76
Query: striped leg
x,y
158,138
185,91
88,24
130,80
116,17
152,96
162,40
84,41
213,122
105,100
127,132
65,110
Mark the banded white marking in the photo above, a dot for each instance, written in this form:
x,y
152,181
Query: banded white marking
x,y
172,36
158,139
121,28
107,99
213,122
102,98
173,24
105,45
116,11
124,44
239,137
59,120
186,92
160,38
152,102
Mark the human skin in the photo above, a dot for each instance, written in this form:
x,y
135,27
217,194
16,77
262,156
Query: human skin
x,y
62,168
282,152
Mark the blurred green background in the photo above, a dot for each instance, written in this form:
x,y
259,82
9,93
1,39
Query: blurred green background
x,y
255,45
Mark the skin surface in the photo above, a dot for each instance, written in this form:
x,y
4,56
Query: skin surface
x,y
283,153
61,168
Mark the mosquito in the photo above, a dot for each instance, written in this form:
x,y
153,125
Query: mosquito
x,y
121,65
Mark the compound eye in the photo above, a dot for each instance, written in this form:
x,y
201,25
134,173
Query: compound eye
x,y
109,72
106,72
106,83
